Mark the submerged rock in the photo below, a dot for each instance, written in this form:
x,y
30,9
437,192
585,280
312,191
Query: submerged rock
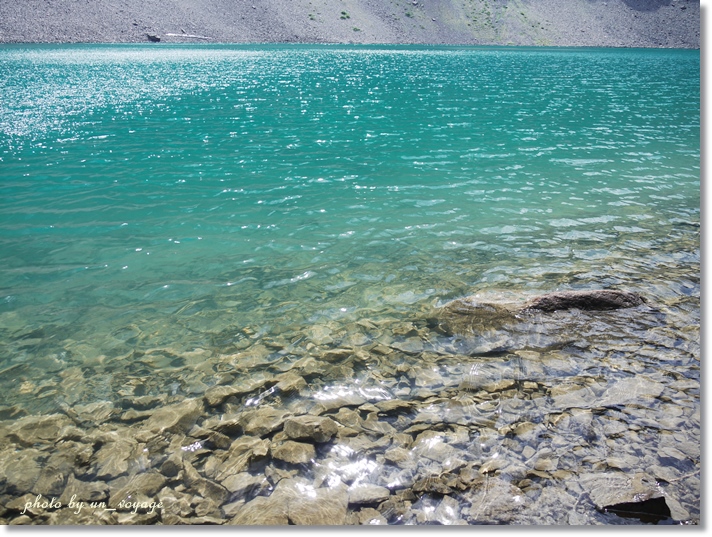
x,y
316,428
652,510
609,488
262,421
627,390
205,488
216,395
367,494
637,496
368,517
471,315
141,487
177,418
448,512
172,465
55,471
241,453
497,324
493,500
112,459
95,413
245,483
85,491
597,300
21,470
293,452
290,383
295,501
324,507
32,430
263,511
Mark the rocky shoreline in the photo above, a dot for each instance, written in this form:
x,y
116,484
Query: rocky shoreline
x,y
563,23
521,413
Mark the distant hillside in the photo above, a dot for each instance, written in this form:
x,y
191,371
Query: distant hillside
x,y
617,23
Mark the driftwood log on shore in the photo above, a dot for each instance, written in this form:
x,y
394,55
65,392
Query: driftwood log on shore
x,y
190,36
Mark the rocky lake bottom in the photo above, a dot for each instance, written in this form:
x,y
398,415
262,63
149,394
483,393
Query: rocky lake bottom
x,y
464,413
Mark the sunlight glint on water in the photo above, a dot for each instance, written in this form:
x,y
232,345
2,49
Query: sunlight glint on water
x,y
162,208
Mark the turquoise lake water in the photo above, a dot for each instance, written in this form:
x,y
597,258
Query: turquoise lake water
x,y
182,202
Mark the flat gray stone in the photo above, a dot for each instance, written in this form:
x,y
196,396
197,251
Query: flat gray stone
x,y
55,471
611,488
32,430
262,511
244,483
144,485
367,494
293,452
448,512
262,421
176,418
494,500
112,459
295,501
628,390
411,345
316,428
320,507
217,395
241,453
84,491
202,486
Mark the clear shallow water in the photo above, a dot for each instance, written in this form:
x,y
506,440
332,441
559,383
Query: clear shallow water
x,y
172,215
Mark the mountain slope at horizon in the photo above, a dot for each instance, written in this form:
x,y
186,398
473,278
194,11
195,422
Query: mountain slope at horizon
x,y
604,23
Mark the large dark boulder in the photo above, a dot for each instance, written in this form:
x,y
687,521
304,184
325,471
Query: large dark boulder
x,y
597,300
490,323
474,314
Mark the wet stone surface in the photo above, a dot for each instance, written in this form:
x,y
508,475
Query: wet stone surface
x,y
482,410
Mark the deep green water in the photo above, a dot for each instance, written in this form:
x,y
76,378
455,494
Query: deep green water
x,y
194,198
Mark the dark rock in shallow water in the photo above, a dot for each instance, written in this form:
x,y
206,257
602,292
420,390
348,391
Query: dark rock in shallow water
x,y
631,496
475,314
489,324
653,510
598,300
